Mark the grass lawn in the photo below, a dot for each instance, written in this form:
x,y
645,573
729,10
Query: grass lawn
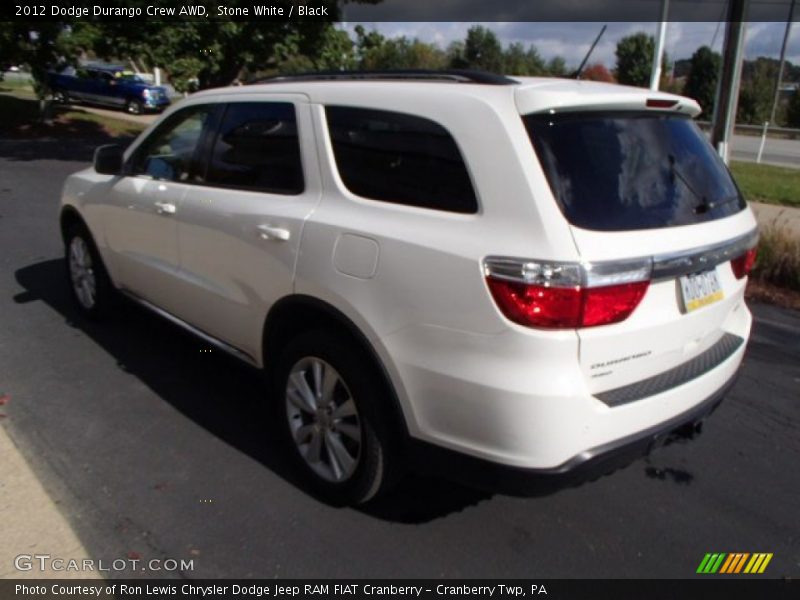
x,y
114,127
21,119
18,85
767,183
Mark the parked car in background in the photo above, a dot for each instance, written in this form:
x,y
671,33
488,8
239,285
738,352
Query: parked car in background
x,y
108,86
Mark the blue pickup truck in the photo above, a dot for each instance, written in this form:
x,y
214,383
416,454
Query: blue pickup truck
x,y
109,86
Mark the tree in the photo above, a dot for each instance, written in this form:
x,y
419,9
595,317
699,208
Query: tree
x,y
481,50
597,72
374,51
701,82
517,60
755,93
38,47
635,59
217,51
556,67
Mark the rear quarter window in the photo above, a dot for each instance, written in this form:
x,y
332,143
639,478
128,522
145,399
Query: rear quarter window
x,y
399,158
626,171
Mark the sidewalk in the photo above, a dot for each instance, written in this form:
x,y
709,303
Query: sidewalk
x,y
30,522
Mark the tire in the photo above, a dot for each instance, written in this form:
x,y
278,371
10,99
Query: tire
x,y
344,446
89,283
134,107
60,97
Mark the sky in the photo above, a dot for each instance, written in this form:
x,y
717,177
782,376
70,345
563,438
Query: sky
x,y
572,40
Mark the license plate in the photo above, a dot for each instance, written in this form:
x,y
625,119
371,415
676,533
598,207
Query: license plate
x,y
700,289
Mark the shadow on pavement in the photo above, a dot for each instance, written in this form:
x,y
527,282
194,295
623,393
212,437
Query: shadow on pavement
x,y
24,137
169,362
79,149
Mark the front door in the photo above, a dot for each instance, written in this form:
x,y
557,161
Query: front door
x,y
140,226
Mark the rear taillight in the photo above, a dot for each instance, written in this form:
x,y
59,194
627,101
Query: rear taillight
x,y
611,304
554,295
742,265
537,306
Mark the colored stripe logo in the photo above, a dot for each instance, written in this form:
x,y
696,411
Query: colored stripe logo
x,y
734,563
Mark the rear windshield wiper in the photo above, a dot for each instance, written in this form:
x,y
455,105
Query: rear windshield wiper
x,y
709,205
704,205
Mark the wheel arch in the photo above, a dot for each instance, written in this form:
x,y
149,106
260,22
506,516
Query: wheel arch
x,y
70,216
297,313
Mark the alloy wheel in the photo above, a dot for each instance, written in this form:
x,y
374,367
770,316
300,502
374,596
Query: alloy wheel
x,y
81,270
323,419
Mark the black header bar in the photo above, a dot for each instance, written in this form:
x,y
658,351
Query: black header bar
x,y
390,10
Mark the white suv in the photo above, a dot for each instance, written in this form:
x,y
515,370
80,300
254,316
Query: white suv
x,y
524,273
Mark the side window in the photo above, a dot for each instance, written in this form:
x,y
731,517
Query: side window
x,y
399,158
257,148
168,152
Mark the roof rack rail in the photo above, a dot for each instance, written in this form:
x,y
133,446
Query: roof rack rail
x,y
450,75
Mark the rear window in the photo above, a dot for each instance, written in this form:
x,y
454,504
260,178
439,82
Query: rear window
x,y
625,171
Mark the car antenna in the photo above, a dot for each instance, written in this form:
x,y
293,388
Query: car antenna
x,y
577,73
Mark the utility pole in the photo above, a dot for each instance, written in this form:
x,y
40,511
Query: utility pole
x,y
730,78
780,65
658,54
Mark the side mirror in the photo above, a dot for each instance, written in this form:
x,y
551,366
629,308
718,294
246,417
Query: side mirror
x,y
108,159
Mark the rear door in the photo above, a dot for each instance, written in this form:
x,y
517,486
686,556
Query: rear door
x,y
648,184
240,231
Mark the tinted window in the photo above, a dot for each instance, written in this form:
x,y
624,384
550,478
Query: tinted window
x,y
623,171
257,149
399,158
168,153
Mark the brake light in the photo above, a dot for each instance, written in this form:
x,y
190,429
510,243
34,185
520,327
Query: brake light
x,y
660,103
742,265
567,295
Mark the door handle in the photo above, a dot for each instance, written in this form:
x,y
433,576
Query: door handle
x,y
165,208
268,232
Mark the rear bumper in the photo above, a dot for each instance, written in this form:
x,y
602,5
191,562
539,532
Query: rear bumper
x,y
524,403
588,465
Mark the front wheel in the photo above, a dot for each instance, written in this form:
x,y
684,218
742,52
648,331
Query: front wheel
x,y
89,282
60,97
332,406
134,107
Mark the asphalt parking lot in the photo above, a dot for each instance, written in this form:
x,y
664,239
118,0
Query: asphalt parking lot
x,y
154,448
